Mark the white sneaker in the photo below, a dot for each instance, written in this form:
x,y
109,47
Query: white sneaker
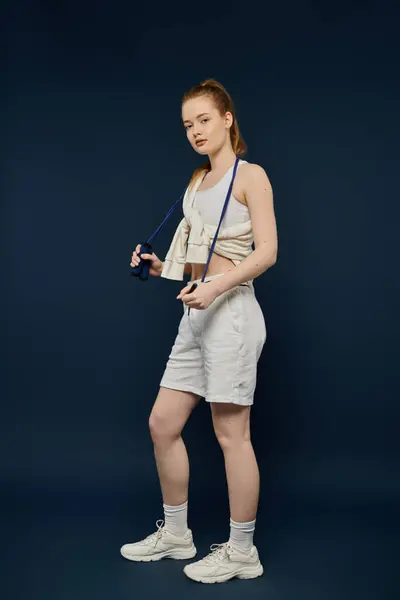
x,y
223,563
160,544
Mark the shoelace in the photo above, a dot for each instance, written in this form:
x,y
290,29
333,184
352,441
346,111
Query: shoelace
x,y
218,551
154,537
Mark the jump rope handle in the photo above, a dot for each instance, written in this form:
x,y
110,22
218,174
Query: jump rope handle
x,y
143,268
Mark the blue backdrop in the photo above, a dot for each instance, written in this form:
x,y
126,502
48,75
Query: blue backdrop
x,y
94,154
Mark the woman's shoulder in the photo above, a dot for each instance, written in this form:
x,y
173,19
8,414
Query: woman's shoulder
x,y
253,172
252,168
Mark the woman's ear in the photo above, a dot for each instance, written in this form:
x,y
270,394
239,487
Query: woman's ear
x,y
228,120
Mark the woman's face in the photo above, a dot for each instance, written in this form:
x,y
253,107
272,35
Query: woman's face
x,y
206,130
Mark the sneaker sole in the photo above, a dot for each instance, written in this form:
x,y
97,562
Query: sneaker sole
x,y
176,553
244,573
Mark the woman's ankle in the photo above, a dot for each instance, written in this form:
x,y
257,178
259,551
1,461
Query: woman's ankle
x,y
175,517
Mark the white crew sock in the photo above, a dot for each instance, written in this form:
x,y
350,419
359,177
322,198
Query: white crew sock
x,y
242,535
176,518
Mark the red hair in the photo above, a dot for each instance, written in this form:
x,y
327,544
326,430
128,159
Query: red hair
x,y
223,102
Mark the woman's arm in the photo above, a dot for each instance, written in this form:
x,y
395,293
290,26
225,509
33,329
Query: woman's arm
x,y
259,198
187,271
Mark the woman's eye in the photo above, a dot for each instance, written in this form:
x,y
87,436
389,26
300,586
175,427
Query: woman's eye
x,y
205,120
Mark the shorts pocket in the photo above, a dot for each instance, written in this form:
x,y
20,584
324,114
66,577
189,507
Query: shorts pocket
x,y
234,301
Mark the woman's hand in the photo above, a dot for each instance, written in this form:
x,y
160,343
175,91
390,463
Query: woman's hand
x,y
201,297
156,264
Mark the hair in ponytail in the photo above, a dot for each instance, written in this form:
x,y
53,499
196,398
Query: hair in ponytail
x,y
223,103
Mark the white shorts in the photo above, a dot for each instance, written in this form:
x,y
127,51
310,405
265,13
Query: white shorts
x,y
217,349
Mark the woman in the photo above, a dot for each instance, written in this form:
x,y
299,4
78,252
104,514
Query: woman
x,y
220,338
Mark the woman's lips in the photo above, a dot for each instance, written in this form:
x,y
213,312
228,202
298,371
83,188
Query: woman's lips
x,y
201,143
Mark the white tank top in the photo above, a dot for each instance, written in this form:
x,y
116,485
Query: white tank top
x,y
210,202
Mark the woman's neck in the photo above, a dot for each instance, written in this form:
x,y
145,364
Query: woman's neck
x,y
222,160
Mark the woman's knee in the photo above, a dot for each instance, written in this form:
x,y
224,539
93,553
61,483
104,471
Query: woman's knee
x,y
169,414
231,425
228,440
162,428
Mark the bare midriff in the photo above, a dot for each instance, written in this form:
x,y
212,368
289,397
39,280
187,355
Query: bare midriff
x,y
218,265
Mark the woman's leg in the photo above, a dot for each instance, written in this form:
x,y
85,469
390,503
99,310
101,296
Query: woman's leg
x,y
232,429
168,417
170,412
